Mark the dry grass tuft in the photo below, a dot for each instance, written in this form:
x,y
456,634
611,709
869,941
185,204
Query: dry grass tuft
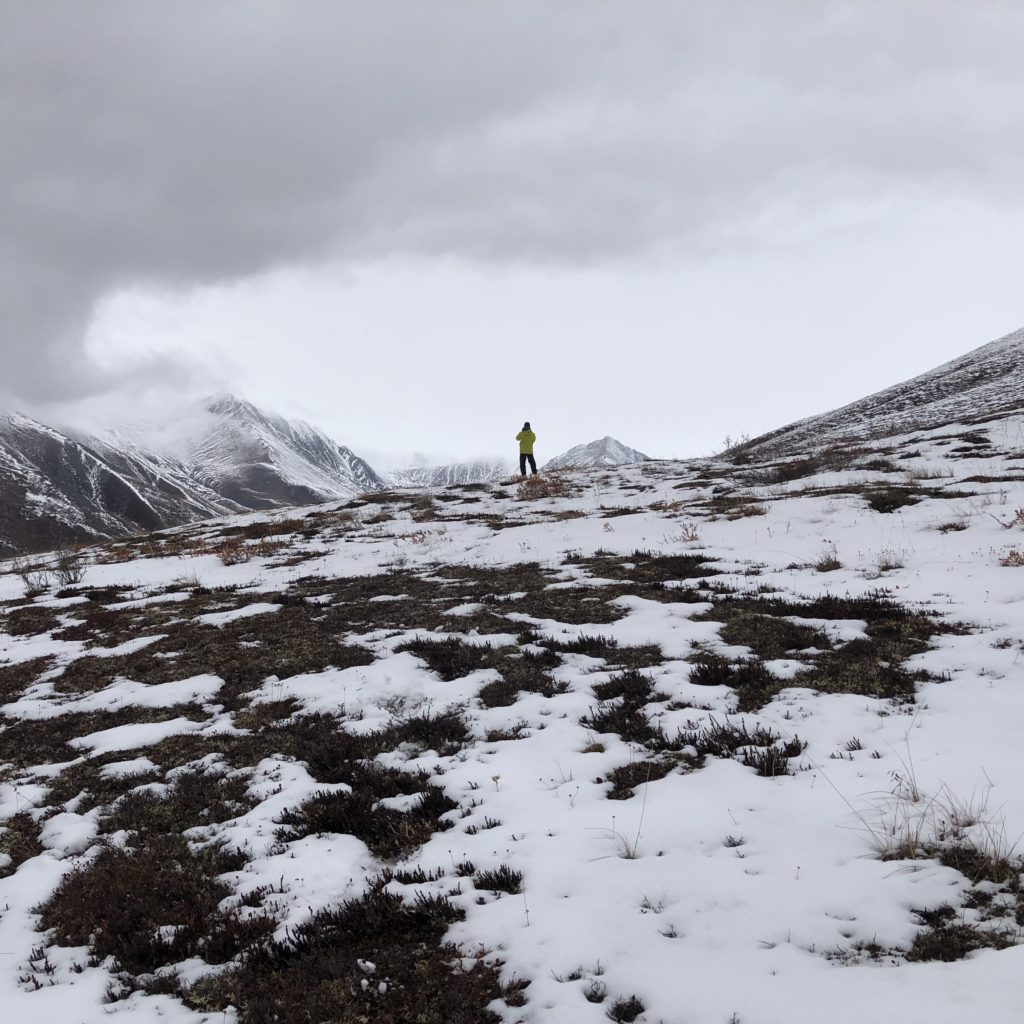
x,y
545,485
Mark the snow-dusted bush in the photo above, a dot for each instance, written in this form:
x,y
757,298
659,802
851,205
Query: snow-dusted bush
x,y
828,561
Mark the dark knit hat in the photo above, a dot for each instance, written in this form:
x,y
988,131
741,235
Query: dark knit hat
x,y
526,425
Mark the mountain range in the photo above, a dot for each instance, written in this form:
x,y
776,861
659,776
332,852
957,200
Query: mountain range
x,y
222,455
262,461
449,475
64,487
59,488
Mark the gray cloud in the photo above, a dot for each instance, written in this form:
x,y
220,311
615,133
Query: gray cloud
x,y
195,142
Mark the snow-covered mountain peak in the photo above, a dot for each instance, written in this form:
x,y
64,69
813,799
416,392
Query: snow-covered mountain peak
x,y
606,451
241,410
18,421
260,459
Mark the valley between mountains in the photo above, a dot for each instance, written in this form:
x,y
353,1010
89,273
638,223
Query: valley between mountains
x,y
727,740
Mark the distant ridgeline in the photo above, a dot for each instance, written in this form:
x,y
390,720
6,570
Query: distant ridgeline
x,y
58,488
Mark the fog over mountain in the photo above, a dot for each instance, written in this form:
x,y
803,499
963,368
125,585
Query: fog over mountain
x,y
219,456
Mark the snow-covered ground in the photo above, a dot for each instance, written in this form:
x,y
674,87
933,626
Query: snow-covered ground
x,y
714,893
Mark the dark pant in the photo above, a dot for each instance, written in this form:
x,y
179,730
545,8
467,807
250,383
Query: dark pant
x,y
523,457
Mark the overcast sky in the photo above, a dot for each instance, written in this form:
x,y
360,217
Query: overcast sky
x,y
418,224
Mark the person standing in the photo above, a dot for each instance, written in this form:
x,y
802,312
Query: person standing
x,y
526,438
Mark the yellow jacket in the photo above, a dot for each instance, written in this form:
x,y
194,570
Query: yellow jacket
x,y
526,439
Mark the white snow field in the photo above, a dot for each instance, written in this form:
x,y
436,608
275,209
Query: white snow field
x,y
736,743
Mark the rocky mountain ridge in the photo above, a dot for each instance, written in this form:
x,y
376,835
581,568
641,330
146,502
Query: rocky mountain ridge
x,y
261,460
59,488
449,475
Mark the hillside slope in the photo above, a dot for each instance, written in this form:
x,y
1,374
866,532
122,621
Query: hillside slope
x,y
686,746
168,483
985,382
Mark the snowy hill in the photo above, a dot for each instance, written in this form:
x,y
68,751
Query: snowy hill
x,y
985,382
450,475
604,452
704,748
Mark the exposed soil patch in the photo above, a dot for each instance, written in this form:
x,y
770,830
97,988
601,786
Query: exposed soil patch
x,y
32,620
521,670
196,797
872,666
754,684
296,639
944,937
331,752
768,636
577,606
609,650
